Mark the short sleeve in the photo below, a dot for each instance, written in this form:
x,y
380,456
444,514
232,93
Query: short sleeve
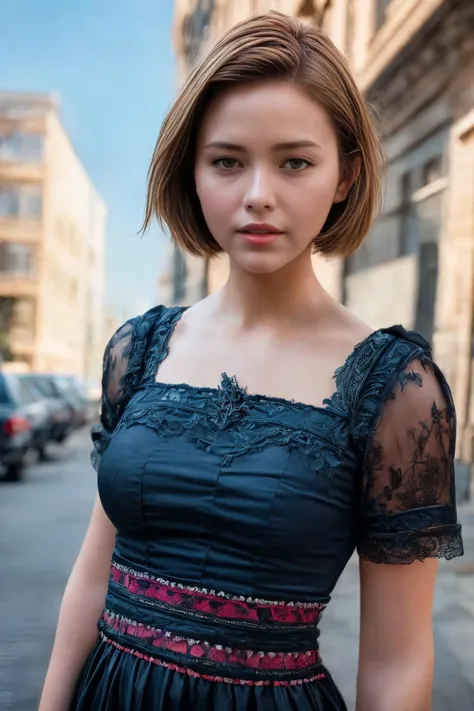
x,y
408,499
115,366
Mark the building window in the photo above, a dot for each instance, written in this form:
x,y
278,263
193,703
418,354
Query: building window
x,y
16,259
381,8
23,321
408,236
432,170
23,147
21,200
179,276
24,313
429,213
195,28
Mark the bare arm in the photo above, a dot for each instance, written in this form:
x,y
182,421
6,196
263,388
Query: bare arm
x,y
81,608
408,521
84,597
396,655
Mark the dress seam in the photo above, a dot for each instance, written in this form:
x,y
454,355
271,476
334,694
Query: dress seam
x,y
267,530
142,517
211,532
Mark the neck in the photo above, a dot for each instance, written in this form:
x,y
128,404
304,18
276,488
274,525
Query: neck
x,y
290,293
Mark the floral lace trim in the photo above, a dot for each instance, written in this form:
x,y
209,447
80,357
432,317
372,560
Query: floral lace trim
x,y
204,651
210,677
163,329
246,435
372,370
139,348
408,546
220,605
350,375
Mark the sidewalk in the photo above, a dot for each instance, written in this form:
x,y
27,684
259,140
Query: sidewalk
x,y
453,623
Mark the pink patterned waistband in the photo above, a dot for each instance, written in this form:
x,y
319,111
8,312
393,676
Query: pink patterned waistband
x,y
216,604
156,639
213,677
211,634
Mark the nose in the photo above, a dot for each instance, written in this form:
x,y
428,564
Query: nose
x,y
259,194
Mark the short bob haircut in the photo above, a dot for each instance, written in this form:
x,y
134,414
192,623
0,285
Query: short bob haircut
x,y
272,46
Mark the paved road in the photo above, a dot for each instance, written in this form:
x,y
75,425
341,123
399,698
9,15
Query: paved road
x,y
42,522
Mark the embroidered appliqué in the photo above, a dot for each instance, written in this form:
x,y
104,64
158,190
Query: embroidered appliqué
x,y
233,424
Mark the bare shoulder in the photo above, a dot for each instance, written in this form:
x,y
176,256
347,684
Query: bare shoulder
x,y
343,330
191,321
196,319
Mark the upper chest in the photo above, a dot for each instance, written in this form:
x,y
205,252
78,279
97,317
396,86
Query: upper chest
x,y
294,368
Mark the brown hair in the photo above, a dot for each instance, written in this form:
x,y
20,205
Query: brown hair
x,y
272,46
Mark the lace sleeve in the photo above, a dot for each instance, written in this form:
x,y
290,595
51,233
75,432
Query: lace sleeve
x,y
409,505
115,364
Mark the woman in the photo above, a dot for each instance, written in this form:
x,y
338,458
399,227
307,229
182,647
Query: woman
x,y
229,515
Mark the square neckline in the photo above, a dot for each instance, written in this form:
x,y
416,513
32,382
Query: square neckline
x,y
232,381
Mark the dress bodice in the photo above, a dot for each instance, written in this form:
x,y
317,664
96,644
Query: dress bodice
x,y
222,490
236,513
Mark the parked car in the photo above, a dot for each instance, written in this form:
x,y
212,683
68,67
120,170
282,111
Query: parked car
x,y
94,395
24,424
75,394
61,413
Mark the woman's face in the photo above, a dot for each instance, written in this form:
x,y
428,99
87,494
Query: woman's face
x,y
267,172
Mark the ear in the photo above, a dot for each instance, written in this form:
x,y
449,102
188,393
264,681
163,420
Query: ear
x,y
349,175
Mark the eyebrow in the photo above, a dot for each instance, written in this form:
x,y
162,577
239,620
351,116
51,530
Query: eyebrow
x,y
285,145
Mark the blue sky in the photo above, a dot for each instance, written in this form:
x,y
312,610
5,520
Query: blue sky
x,y
112,64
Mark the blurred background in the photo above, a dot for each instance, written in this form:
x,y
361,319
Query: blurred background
x,y
83,90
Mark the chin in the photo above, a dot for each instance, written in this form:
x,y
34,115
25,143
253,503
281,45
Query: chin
x,y
261,263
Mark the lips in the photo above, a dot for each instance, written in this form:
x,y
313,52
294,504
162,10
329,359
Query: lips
x,y
260,234
255,228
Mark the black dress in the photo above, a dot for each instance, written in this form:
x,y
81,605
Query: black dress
x,y
236,514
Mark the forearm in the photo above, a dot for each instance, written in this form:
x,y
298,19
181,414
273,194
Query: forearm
x,y
76,634
392,687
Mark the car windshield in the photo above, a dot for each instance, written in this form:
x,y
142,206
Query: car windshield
x,y
62,384
27,390
44,386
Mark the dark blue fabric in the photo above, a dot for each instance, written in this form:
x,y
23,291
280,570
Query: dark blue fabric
x,y
115,681
258,497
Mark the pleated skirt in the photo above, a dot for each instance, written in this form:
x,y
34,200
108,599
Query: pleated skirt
x,y
114,680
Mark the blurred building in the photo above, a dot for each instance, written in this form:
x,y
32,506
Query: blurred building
x,y
52,244
414,62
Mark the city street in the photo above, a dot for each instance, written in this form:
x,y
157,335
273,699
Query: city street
x,y
42,523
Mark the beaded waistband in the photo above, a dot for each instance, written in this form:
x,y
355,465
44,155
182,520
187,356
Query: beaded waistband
x,y
211,634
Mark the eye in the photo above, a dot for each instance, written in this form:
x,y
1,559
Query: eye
x,y
296,165
225,163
